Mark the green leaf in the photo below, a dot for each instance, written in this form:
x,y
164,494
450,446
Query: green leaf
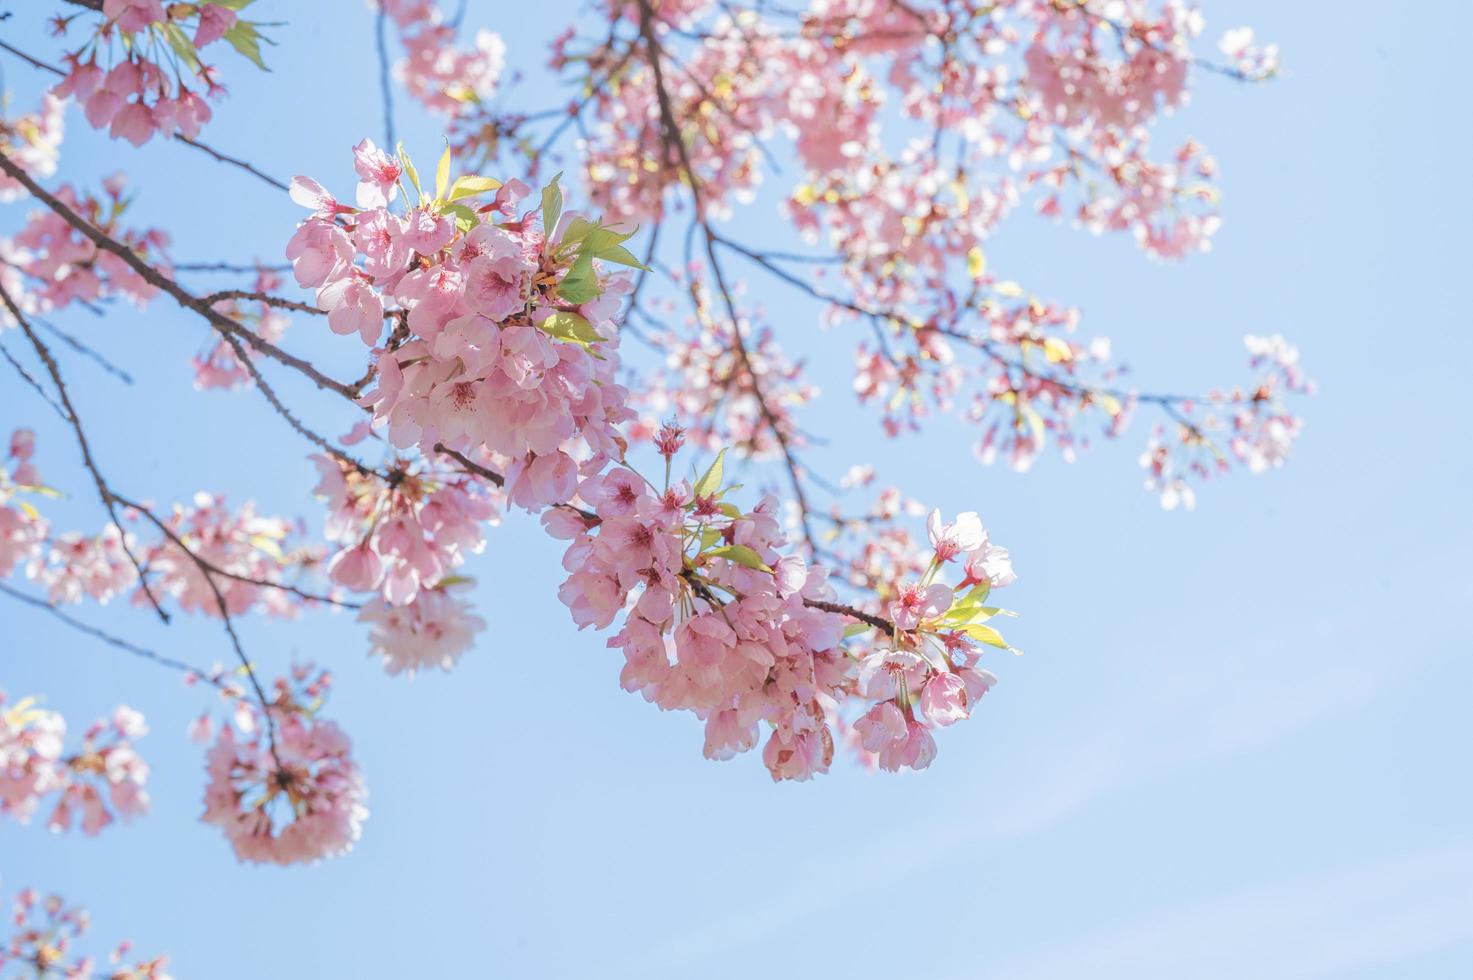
x,y
622,256
710,481
987,635
576,231
244,38
580,283
709,537
465,218
470,186
233,4
442,174
552,205
601,239
41,488
182,46
977,594
409,170
854,629
730,510
564,325
740,554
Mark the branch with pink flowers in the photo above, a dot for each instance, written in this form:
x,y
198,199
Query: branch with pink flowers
x,y
490,315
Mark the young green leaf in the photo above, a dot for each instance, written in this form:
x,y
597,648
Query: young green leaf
x,y
442,174
576,231
620,255
244,38
468,186
552,205
465,218
987,635
564,325
710,481
740,554
409,171
855,629
977,595
580,283
182,46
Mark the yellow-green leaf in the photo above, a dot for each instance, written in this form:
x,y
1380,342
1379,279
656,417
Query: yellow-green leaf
x,y
710,481
409,171
469,186
987,635
565,325
552,205
742,555
442,174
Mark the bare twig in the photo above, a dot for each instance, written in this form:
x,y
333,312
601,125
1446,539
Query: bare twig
x,y
108,638
104,492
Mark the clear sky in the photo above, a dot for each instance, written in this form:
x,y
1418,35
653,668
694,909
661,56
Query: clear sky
x,y
1237,745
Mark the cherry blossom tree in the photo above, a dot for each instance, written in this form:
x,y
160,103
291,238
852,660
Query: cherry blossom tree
x,y
552,316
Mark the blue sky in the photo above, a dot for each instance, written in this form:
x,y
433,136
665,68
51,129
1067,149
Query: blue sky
x,y
1237,745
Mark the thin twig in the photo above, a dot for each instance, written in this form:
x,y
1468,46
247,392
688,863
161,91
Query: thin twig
x,y
110,639
104,492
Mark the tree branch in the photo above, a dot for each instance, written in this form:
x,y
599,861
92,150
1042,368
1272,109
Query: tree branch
x,y
154,277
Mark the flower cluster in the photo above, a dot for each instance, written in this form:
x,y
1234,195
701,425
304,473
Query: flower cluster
x,y
1252,60
32,140
101,780
22,528
445,78
720,621
147,92
43,934
1253,425
507,338
402,540
283,785
61,266
1056,102
250,557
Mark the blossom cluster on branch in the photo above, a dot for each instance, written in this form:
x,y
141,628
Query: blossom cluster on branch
x,y
891,139
132,74
43,938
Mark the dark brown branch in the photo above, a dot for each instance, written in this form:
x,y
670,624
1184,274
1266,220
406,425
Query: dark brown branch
x,y
229,267
233,161
884,625
238,349
471,465
267,298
